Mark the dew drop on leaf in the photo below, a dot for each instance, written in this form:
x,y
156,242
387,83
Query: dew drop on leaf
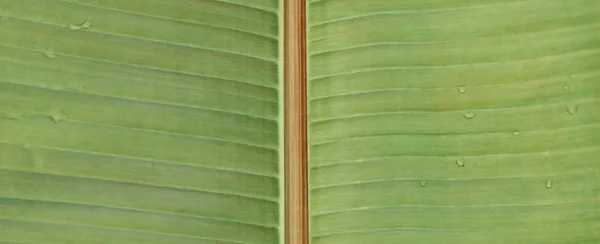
x,y
566,88
516,133
572,109
469,115
462,89
549,183
423,183
460,162
49,54
58,116
85,25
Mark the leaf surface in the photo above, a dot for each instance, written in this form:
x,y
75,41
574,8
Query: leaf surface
x,y
454,121
139,121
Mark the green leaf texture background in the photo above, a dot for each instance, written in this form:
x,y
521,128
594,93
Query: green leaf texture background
x,y
454,121
139,121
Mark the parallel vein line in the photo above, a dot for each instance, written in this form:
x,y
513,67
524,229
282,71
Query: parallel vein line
x,y
91,30
415,12
321,120
368,70
168,187
161,103
204,138
236,3
532,33
320,39
174,214
366,160
255,83
406,12
354,116
448,135
368,182
181,20
549,80
160,161
269,10
340,233
12,242
118,229
129,78
559,55
325,213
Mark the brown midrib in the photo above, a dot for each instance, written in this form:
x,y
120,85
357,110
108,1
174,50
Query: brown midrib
x,y
295,137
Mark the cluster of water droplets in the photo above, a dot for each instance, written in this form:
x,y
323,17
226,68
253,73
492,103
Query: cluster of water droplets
x,y
460,162
468,114
570,108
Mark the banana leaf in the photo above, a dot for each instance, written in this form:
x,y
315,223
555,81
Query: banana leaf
x,y
454,121
139,121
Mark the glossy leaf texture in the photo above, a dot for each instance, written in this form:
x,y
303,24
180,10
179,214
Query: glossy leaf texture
x,y
139,121
453,121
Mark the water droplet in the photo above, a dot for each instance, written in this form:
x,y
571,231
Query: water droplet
x,y
566,88
572,109
469,115
516,132
460,162
50,54
58,116
86,24
423,183
462,89
549,183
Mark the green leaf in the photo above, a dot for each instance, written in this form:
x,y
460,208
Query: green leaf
x,y
453,121
139,121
